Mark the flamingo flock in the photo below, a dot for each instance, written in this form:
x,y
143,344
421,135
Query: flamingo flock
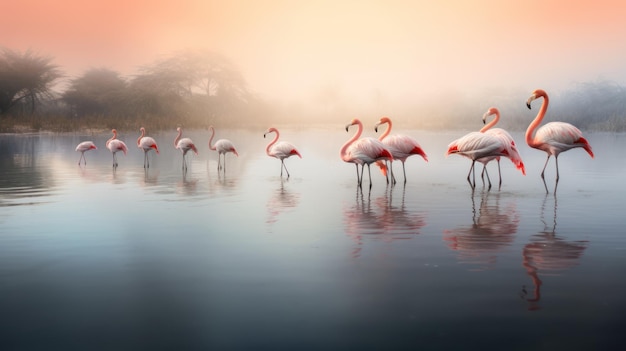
x,y
483,146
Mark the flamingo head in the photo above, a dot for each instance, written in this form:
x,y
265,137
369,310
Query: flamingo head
x,y
142,130
382,120
490,111
178,129
352,122
270,130
535,95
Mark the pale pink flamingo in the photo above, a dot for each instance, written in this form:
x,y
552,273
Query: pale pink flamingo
x,y
222,146
506,139
85,146
363,152
554,137
184,145
475,146
114,145
281,150
146,143
400,146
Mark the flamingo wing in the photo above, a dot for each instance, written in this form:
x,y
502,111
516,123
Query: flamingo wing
x,y
403,146
368,150
283,150
224,145
148,143
86,145
561,136
477,145
116,145
509,144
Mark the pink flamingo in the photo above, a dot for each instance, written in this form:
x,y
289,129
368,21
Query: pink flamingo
x,y
281,150
184,145
475,146
363,152
85,146
222,146
114,145
146,143
554,137
400,146
506,139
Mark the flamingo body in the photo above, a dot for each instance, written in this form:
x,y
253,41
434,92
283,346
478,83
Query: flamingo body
x,y
400,146
222,146
280,150
507,141
476,146
554,137
83,147
114,145
363,151
146,143
184,145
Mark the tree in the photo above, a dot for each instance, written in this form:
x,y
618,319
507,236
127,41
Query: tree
x,y
98,91
190,84
25,79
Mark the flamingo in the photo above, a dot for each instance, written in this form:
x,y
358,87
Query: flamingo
x,y
184,145
475,146
506,139
114,145
363,152
281,150
85,146
400,146
222,146
146,143
554,137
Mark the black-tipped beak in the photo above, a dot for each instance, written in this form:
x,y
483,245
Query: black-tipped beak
x,y
264,134
528,104
348,126
376,128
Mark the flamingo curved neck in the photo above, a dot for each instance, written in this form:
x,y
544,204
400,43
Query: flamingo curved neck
x,y
535,123
269,146
112,138
387,131
345,146
180,132
143,132
492,123
212,147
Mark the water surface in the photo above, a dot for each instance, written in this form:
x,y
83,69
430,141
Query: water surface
x,y
93,257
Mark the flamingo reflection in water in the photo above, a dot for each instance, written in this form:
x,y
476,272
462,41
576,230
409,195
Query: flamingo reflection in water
x,y
380,219
281,200
492,229
548,253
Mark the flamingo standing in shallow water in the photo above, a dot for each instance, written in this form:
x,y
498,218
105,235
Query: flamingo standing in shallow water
x,y
222,146
281,150
184,145
363,152
554,137
146,143
475,146
400,146
506,139
114,145
85,146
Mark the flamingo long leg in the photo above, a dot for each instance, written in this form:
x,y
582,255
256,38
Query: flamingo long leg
x,y
544,167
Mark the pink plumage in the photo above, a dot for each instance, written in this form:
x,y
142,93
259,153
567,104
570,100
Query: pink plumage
x,y
114,145
280,150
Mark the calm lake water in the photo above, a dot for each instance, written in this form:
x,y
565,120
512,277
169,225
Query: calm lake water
x,y
94,258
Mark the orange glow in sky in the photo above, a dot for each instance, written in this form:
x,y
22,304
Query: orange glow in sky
x,y
295,47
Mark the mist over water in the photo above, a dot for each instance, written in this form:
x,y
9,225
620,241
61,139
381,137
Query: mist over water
x,y
94,257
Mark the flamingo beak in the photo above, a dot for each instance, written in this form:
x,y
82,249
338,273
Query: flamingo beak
x,y
485,118
530,99
348,126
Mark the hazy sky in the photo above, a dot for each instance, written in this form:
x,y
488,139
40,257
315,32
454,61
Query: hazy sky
x,y
296,47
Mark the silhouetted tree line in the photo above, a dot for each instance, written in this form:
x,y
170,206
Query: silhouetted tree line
x,y
188,88
196,89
